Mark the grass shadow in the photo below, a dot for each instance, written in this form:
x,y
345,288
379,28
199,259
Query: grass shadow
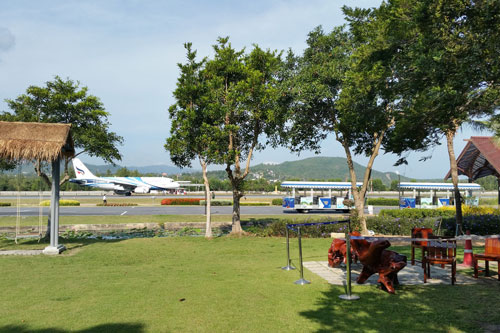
x,y
115,327
441,308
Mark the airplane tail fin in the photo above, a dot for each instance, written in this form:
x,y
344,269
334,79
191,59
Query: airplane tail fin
x,y
81,170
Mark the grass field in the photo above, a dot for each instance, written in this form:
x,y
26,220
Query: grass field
x,y
189,284
6,221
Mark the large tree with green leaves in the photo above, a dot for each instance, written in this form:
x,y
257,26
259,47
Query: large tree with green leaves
x,y
196,125
447,66
64,101
345,84
242,95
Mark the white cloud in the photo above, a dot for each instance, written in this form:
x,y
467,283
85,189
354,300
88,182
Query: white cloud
x,y
7,39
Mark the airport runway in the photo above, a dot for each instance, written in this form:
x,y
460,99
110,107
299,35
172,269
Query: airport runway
x,y
160,210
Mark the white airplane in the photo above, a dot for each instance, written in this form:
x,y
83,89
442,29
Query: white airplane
x,y
121,185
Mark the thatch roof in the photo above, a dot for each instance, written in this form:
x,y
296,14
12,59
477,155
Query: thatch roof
x,y
479,158
31,141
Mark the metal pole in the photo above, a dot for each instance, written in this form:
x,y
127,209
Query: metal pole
x,y
399,190
348,296
289,266
301,281
54,247
55,183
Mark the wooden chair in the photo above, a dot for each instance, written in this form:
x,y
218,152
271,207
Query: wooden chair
x,y
419,233
442,252
491,253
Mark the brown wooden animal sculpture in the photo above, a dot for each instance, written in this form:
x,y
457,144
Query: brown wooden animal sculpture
x,y
376,259
337,253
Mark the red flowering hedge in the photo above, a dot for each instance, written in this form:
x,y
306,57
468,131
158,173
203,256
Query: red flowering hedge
x,y
181,201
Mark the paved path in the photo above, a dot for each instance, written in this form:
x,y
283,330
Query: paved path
x,y
410,275
20,252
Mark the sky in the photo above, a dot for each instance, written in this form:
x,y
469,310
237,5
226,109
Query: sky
x,y
126,53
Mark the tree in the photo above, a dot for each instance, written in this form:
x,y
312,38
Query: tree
x,y
344,84
195,131
64,101
394,185
378,185
447,66
242,96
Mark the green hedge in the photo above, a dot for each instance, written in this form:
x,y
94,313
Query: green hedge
x,y
402,226
61,203
277,202
416,213
477,224
4,204
117,204
254,203
217,203
382,202
277,228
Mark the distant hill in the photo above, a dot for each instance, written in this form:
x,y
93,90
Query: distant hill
x,y
318,168
314,168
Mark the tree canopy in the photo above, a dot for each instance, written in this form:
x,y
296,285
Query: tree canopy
x,y
64,101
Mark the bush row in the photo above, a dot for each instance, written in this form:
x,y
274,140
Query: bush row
x,y
181,201
277,202
382,202
61,203
477,224
117,204
217,203
254,203
277,227
445,212
4,204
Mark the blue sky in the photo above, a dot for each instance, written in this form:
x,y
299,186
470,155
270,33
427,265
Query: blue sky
x,y
126,53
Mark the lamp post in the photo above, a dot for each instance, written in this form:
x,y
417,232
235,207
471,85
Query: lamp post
x,y
399,189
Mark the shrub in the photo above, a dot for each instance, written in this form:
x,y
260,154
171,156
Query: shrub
x,y
181,201
117,204
277,202
217,203
477,224
61,203
417,213
277,228
254,203
4,204
488,201
383,202
400,225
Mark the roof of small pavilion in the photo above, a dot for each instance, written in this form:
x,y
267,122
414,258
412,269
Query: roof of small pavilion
x,y
479,158
32,141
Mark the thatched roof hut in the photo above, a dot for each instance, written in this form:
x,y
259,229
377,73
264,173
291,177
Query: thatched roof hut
x,y
33,141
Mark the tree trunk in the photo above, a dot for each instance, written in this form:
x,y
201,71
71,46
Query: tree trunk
x,y
450,134
208,227
359,194
358,201
236,225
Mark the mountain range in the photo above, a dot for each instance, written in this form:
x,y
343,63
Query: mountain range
x,y
314,168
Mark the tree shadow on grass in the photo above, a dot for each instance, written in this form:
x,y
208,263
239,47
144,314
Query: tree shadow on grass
x,y
439,308
115,327
71,244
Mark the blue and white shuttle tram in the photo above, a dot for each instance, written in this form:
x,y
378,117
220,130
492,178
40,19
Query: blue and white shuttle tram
x,y
304,196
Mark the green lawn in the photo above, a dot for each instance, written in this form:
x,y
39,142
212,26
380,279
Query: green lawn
x,y
6,221
189,284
